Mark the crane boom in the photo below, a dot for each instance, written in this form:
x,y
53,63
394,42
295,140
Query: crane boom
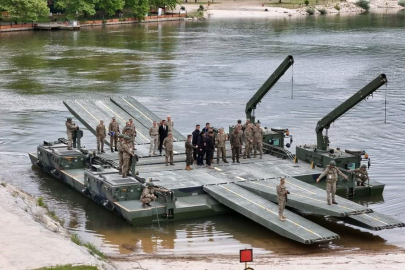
x,y
324,123
265,88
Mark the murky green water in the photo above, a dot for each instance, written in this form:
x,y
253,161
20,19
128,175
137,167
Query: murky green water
x,y
207,71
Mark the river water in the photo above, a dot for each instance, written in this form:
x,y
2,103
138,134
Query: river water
x,y
206,72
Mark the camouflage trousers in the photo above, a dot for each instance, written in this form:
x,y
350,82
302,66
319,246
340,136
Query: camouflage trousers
x,y
330,191
148,198
126,166
121,161
169,155
189,159
258,145
70,139
221,152
113,140
360,180
235,153
281,206
248,145
100,143
154,140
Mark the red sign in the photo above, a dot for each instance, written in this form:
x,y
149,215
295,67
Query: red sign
x,y
246,255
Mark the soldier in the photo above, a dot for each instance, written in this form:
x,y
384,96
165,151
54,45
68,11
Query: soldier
x,y
189,152
281,198
70,128
235,145
221,145
128,131
257,140
169,124
113,131
100,135
361,175
168,146
332,171
120,146
127,155
240,134
248,141
154,138
133,131
148,194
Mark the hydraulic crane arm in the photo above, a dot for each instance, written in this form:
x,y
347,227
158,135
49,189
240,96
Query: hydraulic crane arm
x,y
324,123
251,105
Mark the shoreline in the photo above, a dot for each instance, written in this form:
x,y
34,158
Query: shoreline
x,y
46,243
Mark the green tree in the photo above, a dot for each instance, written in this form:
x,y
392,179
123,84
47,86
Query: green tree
x,y
28,10
139,7
171,4
110,6
75,8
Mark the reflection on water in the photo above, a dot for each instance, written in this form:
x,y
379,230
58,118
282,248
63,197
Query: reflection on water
x,y
206,71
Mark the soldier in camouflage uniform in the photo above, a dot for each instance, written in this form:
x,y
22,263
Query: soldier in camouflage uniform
x,y
154,138
235,145
240,135
189,152
128,131
148,194
361,175
113,131
248,141
221,145
168,146
100,135
120,146
133,131
258,140
70,128
170,124
281,199
332,176
127,155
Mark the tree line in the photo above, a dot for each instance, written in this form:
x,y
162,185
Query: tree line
x,y
31,10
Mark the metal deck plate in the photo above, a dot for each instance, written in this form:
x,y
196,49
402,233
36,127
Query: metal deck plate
x,y
266,213
374,221
304,197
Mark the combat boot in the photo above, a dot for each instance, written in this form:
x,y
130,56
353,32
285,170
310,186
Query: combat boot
x,y
280,218
217,161
284,217
226,161
98,151
116,148
187,168
334,202
112,151
102,150
261,156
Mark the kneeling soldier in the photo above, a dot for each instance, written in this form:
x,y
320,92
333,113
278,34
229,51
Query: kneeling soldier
x,y
361,175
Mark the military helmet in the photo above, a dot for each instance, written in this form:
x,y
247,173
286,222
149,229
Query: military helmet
x,y
69,118
120,136
127,138
363,166
332,163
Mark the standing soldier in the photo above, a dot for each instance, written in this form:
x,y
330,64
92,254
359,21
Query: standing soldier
x,y
100,135
133,131
361,175
248,141
120,147
154,138
281,198
127,154
189,152
70,128
235,145
240,134
113,131
221,145
169,124
128,131
196,134
258,140
332,176
168,145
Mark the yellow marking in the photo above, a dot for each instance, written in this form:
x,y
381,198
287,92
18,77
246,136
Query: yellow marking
x,y
303,196
73,177
144,209
240,178
141,112
268,210
218,169
137,132
376,219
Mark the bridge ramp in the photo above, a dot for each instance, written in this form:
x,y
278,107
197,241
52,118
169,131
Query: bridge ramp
x,y
304,197
374,221
265,213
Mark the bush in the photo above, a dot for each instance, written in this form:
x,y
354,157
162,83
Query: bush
x,y
41,202
364,4
310,11
322,11
401,3
201,8
306,2
337,7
